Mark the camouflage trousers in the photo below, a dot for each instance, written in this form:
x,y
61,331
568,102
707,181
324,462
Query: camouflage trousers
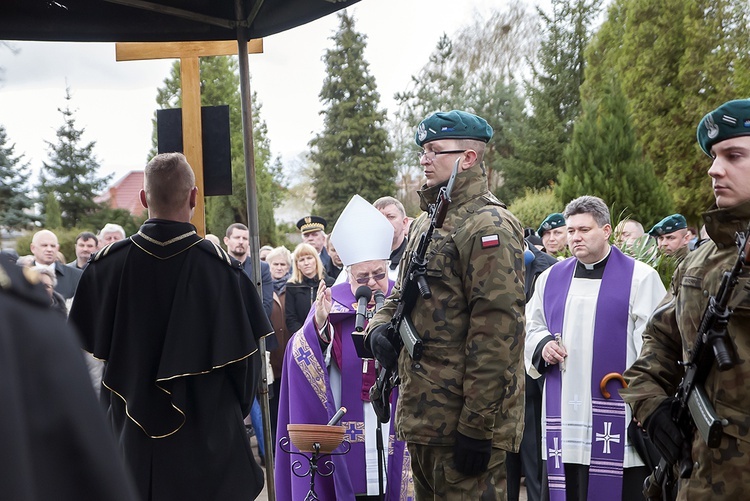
x,y
435,478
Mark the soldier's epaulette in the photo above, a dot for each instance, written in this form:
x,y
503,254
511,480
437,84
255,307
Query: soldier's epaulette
x,y
218,253
493,200
21,282
109,249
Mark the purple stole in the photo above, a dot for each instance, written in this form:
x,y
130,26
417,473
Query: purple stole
x,y
306,397
610,355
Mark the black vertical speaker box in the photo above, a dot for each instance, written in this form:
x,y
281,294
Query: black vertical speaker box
x,y
217,147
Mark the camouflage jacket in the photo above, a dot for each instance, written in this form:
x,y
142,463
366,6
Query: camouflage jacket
x,y
722,473
471,375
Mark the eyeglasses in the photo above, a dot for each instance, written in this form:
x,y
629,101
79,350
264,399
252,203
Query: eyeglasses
x,y
366,280
430,155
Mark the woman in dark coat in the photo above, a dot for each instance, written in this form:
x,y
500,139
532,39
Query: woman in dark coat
x,y
307,272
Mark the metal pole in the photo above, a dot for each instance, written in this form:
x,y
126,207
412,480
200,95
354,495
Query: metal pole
x,y
252,223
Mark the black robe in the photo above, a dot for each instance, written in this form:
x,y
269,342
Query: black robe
x,y
54,441
177,322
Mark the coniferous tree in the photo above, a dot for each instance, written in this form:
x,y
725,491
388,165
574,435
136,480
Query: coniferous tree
x,y
604,159
353,153
220,85
476,71
554,97
676,60
71,172
53,217
14,199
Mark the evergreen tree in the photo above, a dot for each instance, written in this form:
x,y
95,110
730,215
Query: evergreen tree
x,y
676,60
439,86
604,159
71,172
220,85
553,95
14,199
478,72
53,219
353,153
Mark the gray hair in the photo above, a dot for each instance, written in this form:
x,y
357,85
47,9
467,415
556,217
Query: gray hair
x,y
383,202
282,252
111,228
588,204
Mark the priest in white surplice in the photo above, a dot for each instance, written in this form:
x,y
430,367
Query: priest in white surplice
x,y
583,329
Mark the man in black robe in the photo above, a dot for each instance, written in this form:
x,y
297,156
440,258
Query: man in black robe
x,y
176,321
54,442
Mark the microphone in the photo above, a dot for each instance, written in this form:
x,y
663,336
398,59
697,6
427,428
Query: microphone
x,y
363,295
379,300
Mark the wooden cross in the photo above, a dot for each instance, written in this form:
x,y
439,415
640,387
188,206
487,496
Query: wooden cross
x,y
192,134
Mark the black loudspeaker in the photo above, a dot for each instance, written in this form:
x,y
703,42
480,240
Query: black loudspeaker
x,y
217,147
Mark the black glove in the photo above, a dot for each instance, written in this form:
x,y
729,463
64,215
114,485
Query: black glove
x,y
471,456
664,433
382,347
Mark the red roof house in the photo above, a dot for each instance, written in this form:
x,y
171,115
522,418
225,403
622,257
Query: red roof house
x,y
124,194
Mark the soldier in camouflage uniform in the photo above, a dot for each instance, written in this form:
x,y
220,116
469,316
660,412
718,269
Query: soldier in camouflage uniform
x,y
461,406
672,237
724,472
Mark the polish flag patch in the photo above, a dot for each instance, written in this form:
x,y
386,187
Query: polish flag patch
x,y
490,241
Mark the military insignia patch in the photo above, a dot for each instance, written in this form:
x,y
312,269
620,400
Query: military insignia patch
x,y
490,241
421,132
729,120
713,129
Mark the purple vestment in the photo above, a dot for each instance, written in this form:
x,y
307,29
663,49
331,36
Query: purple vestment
x,y
306,397
609,355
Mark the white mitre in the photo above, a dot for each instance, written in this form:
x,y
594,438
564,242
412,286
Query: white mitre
x,y
362,233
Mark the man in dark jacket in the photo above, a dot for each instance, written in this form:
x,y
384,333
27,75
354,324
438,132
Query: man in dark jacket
x,y
176,321
54,443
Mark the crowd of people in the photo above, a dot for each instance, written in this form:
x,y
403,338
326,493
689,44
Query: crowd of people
x,y
549,353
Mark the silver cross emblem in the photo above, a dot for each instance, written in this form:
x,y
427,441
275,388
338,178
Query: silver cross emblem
x,y
556,452
607,437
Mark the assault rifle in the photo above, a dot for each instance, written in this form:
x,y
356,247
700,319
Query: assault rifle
x,y
693,409
401,331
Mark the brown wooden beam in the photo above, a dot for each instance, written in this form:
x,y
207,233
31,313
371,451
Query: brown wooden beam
x,y
136,51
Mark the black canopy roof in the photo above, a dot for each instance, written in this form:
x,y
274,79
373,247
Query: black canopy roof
x,y
155,20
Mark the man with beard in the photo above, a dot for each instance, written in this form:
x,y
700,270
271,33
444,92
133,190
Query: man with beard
x,y
237,240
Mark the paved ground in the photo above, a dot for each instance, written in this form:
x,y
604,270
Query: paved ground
x,y
264,494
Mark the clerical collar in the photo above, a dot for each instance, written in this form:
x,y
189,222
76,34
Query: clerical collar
x,y
594,271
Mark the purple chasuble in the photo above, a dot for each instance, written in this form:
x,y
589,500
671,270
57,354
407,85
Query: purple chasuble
x,y
306,397
609,355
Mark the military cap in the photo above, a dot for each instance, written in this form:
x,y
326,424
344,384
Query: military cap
x,y
729,120
309,224
453,124
552,221
668,225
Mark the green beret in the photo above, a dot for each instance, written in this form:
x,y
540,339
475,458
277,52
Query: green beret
x,y
729,120
452,125
668,225
552,221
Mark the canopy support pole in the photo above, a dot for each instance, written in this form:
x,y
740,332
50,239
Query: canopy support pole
x,y
254,227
